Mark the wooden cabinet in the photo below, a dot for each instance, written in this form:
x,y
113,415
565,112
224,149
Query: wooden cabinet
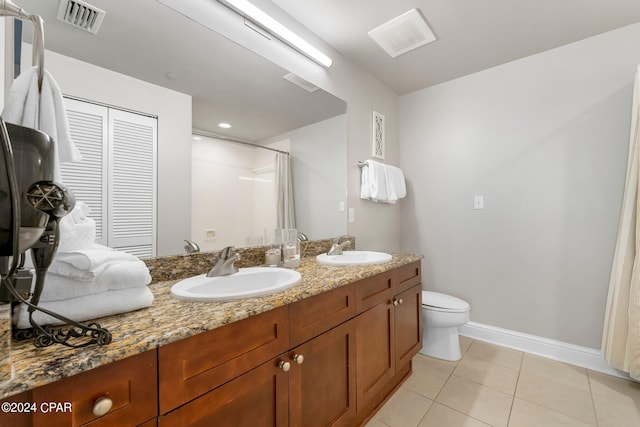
x,y
322,389
15,414
192,367
258,397
329,359
388,330
130,385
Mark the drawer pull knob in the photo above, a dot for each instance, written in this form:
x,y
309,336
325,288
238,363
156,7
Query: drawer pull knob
x,y
298,358
395,302
101,406
285,366
400,301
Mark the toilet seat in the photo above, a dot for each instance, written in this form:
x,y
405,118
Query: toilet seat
x,y
441,302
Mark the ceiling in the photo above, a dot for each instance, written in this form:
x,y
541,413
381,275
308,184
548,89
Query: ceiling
x,y
472,35
147,40
228,83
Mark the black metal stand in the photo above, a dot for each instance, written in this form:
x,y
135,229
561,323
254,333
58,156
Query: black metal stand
x,y
47,335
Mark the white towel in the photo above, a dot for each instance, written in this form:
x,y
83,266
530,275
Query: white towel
x,y
381,183
59,288
87,307
25,104
376,180
93,257
76,283
129,272
77,230
396,188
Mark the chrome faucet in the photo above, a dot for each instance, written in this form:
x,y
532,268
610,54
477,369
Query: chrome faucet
x,y
224,266
338,245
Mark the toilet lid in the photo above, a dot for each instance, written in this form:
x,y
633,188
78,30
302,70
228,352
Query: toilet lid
x,y
443,301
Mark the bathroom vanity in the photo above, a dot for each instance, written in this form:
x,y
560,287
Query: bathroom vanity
x,y
327,352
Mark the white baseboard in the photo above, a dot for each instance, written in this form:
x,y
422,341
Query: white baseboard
x,y
584,357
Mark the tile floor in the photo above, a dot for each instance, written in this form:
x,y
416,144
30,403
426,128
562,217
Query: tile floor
x,y
500,387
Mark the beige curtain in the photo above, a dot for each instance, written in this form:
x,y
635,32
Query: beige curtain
x,y
286,217
621,335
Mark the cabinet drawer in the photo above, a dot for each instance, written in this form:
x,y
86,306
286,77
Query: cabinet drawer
x,y
406,277
193,366
131,384
373,291
312,316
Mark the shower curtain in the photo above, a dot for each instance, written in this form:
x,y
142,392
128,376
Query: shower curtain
x,y
286,217
621,335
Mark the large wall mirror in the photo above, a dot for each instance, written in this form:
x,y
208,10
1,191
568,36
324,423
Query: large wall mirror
x,y
263,103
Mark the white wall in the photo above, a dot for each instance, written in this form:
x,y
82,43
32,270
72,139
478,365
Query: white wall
x,y
319,169
544,140
173,109
233,193
376,226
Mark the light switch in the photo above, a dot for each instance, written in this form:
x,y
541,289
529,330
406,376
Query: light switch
x,y
478,202
341,207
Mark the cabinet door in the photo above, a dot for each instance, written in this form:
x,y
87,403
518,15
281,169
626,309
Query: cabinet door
x,y
257,398
374,351
408,324
18,413
131,385
323,385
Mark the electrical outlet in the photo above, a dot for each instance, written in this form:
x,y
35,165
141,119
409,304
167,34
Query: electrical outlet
x,y
352,215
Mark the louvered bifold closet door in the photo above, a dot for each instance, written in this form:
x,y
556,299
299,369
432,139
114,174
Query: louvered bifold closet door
x,y
88,179
132,184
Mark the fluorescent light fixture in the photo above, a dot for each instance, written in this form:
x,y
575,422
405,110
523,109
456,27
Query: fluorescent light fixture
x,y
251,12
224,125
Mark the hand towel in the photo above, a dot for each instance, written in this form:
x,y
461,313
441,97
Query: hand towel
x,y
373,185
93,257
77,230
44,111
396,188
87,307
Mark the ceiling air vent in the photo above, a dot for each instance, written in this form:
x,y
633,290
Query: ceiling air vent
x,y
402,34
81,15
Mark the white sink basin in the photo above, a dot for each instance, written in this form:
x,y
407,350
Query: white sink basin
x,y
247,283
354,258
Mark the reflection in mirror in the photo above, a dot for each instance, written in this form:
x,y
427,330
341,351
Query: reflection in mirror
x,y
227,83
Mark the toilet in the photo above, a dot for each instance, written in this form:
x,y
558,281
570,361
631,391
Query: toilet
x,y
441,315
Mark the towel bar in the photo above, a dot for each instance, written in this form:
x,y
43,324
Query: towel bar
x,y
9,8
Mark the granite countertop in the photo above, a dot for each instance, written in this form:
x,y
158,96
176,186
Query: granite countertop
x,y
170,320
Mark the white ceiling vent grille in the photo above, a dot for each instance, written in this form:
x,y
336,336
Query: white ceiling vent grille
x,y
402,34
81,15
300,82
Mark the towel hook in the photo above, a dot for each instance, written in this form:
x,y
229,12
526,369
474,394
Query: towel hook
x,y
9,8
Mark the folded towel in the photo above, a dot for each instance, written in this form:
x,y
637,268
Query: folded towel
x,y
381,183
396,188
59,288
44,111
76,283
373,181
119,273
77,231
87,307
124,274
93,257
